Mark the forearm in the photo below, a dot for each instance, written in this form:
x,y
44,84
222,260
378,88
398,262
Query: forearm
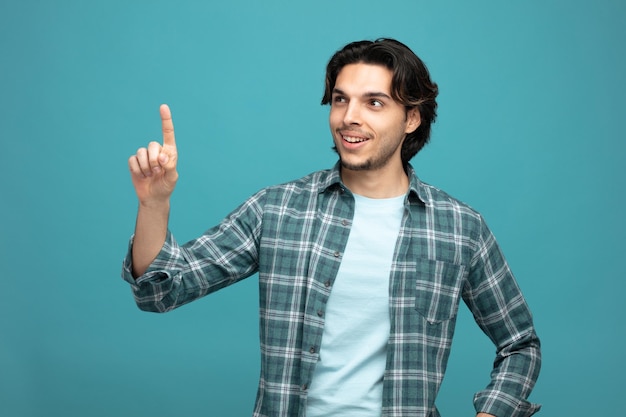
x,y
502,313
221,256
150,234
154,176
515,372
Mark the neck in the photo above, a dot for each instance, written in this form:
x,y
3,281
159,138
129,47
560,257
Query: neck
x,y
382,183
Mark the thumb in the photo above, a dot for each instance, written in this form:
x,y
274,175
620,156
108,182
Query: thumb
x,y
168,162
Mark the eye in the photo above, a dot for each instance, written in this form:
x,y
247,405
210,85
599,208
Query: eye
x,y
339,99
376,103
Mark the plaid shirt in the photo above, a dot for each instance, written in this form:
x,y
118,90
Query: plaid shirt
x,y
294,236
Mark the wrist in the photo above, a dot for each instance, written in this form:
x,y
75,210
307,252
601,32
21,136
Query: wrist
x,y
155,205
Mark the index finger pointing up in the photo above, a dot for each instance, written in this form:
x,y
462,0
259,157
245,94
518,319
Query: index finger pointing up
x,y
167,126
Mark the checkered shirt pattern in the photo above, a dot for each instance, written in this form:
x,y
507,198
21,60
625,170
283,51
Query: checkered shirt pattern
x,y
293,235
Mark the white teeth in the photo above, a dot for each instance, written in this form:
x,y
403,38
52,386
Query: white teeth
x,y
351,139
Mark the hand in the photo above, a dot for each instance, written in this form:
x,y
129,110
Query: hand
x,y
153,169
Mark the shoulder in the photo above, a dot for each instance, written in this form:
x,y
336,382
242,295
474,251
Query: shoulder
x,y
310,184
450,213
436,199
439,198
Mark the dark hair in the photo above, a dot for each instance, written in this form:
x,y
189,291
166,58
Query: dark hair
x,y
410,84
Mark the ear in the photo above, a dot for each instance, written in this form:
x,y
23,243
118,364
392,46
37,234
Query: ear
x,y
413,120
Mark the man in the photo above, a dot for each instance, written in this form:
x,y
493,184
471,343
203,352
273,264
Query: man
x,y
361,267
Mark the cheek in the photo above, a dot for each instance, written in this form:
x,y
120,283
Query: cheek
x,y
334,118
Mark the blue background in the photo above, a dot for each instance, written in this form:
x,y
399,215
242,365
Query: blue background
x,y
530,133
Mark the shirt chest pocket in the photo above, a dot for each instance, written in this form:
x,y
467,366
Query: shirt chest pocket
x,y
437,289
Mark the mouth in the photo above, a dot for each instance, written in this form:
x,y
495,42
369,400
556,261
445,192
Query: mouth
x,y
352,137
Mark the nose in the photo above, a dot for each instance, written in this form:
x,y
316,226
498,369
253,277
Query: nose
x,y
352,116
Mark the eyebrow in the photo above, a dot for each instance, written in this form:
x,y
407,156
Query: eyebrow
x,y
372,94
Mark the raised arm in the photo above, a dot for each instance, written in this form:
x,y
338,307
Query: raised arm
x,y
153,173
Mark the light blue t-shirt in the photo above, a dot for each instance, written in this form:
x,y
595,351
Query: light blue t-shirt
x,y
348,378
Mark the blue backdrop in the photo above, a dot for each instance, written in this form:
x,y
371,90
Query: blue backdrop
x,y
530,133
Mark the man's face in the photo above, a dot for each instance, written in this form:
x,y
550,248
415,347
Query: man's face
x,y
367,124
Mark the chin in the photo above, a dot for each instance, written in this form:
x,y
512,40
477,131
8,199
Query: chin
x,y
356,165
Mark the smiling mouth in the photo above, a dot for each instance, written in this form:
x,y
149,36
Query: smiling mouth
x,y
353,139
353,136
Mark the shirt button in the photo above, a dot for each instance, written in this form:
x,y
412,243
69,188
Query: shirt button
x,y
305,387
327,284
312,350
320,313
344,222
336,254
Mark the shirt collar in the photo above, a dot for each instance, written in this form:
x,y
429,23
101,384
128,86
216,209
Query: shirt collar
x,y
416,187
417,190
332,180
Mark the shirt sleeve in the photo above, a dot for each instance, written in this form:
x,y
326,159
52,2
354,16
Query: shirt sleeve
x,y
221,256
500,310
